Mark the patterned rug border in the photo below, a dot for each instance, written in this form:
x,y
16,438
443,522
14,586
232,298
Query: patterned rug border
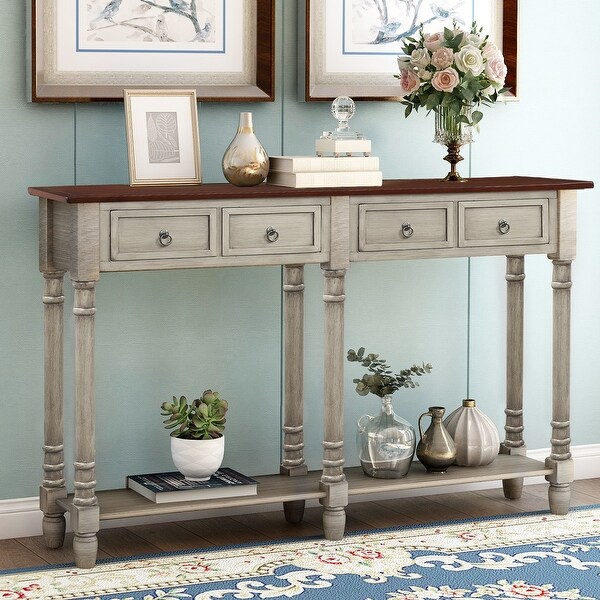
x,y
349,534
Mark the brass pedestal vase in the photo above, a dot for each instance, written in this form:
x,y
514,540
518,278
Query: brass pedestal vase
x,y
453,131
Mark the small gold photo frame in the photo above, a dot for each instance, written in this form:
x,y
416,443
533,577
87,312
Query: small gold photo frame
x,y
162,137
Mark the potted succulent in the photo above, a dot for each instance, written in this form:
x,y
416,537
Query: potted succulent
x,y
197,439
386,443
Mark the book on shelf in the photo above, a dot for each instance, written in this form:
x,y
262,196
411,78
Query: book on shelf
x,y
326,179
174,487
313,164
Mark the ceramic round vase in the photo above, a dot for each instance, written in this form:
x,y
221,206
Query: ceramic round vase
x,y
386,443
197,460
436,449
245,161
475,435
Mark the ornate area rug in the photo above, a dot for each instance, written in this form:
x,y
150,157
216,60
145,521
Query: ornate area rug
x,y
535,555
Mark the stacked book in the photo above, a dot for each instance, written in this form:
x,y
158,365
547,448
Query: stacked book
x,y
324,171
174,487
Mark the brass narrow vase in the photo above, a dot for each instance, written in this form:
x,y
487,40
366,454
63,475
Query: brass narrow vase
x,y
436,449
452,132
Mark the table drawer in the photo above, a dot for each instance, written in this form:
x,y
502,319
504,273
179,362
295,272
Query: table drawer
x,y
268,230
159,234
405,226
503,223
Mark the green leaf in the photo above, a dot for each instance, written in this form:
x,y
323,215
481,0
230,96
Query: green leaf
x,y
476,117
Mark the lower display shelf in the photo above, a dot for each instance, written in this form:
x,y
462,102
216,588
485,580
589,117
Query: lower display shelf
x,y
125,503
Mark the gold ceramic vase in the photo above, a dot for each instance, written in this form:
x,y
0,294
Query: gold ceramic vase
x,y
245,161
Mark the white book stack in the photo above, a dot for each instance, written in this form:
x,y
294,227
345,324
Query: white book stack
x,y
324,171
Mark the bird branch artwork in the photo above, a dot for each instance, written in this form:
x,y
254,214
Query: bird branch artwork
x,y
155,21
378,22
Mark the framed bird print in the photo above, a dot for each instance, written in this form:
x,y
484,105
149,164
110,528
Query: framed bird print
x,y
351,47
162,137
91,50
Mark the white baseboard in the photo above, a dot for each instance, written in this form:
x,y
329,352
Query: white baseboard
x,y
21,517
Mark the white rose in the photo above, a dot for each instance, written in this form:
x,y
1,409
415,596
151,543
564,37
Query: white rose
x,y
442,58
403,62
420,57
489,49
469,58
473,39
424,74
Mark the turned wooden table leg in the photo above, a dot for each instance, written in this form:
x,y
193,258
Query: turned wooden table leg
x,y
333,480
513,443
559,492
53,486
85,514
293,428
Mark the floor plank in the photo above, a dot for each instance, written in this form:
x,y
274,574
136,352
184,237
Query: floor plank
x,y
56,556
14,555
169,537
224,531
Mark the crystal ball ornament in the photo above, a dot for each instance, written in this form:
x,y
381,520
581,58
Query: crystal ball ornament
x,y
343,109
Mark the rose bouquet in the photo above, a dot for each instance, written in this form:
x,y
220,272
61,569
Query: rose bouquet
x,y
451,70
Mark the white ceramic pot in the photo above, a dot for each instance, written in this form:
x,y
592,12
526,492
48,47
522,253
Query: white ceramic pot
x,y
197,460
475,435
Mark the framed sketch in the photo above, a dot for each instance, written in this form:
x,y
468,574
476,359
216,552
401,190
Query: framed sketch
x,y
91,50
162,137
350,47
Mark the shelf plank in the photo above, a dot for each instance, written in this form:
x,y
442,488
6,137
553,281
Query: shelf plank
x,y
125,503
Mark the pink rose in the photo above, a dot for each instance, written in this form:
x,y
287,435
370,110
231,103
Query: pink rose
x,y
442,58
409,81
433,41
495,68
446,80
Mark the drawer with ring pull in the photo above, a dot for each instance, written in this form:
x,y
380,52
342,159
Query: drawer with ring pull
x,y
404,226
159,234
503,222
271,230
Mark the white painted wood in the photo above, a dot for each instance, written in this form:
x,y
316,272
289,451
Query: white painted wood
x,y
401,226
293,426
136,234
21,517
566,225
294,229
513,443
560,460
526,222
84,239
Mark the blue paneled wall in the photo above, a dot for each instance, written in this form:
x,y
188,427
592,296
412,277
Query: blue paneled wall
x,y
170,333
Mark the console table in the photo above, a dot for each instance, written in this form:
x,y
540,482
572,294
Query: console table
x,y
88,230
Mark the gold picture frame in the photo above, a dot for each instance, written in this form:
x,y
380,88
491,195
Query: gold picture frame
x,y
83,51
163,145
334,67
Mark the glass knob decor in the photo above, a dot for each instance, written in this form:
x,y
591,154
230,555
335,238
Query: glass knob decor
x,y
245,161
343,109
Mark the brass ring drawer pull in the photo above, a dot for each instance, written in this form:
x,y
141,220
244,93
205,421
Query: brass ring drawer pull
x,y
407,230
164,238
503,226
272,234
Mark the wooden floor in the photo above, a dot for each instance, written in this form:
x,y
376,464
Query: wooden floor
x,y
262,527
